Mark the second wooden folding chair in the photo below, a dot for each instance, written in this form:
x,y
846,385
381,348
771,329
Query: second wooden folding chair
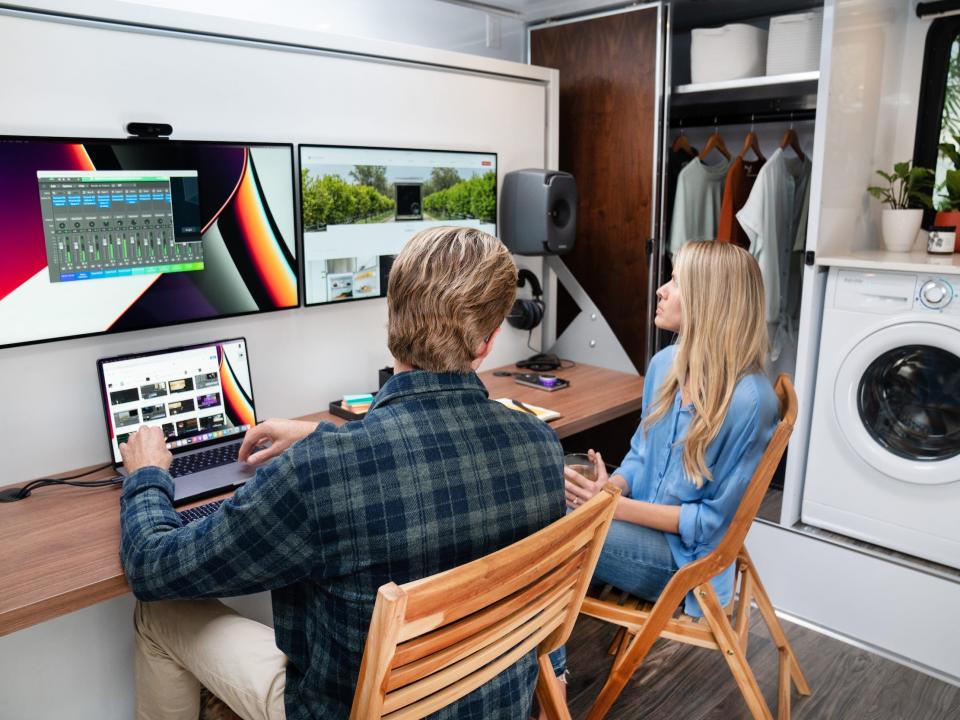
x,y
642,623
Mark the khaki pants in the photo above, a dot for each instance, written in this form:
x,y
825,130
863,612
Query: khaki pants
x,y
182,644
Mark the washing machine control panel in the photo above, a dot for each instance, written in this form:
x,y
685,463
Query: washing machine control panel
x,y
936,293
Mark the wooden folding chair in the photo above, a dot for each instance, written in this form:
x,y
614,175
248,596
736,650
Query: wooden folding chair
x,y
642,623
434,640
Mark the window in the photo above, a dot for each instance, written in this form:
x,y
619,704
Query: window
x,y
938,115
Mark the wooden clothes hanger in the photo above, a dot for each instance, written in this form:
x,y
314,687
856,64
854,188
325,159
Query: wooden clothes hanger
x,y
792,140
752,142
682,144
715,142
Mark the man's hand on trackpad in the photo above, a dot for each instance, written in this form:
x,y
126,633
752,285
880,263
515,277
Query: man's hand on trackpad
x,y
270,438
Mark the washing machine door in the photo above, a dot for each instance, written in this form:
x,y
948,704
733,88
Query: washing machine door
x,y
897,401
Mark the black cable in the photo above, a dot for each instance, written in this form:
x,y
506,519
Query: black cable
x,y
14,494
529,338
537,362
545,362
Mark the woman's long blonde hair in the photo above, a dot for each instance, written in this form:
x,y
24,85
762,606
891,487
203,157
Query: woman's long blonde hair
x,y
723,337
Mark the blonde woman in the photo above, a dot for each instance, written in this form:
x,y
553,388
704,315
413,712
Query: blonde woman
x,y
708,413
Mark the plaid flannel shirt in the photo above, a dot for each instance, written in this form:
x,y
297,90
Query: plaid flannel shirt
x,y
434,476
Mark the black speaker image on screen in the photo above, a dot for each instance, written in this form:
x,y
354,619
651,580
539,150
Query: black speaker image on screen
x,y
538,212
409,201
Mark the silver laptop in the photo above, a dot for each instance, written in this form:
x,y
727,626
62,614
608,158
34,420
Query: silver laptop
x,y
200,396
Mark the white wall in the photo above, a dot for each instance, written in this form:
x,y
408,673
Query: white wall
x,y
300,358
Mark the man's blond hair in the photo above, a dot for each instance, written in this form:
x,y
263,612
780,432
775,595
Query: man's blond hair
x,y
449,289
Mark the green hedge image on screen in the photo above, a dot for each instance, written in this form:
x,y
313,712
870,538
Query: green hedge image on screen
x,y
474,198
331,200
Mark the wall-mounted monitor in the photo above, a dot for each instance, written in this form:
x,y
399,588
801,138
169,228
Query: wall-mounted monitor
x,y
110,235
359,206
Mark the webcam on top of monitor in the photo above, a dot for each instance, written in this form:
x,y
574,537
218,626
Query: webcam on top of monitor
x,y
149,130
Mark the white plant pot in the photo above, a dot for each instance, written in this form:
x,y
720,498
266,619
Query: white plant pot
x,y
900,228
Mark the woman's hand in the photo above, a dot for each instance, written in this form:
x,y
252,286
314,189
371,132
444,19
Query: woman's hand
x,y
580,489
270,438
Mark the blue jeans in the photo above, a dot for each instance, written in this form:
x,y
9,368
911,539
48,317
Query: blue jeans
x,y
634,558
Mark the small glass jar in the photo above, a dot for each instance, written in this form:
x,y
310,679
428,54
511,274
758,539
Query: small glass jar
x,y
940,240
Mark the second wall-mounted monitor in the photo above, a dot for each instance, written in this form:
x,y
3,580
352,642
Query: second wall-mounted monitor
x,y
361,205
111,235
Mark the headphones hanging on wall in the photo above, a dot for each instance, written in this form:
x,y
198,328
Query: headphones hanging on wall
x,y
527,314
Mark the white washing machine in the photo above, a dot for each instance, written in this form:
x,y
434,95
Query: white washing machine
x,y
884,457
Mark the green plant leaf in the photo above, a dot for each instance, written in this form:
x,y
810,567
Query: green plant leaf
x,y
924,200
951,152
950,187
901,170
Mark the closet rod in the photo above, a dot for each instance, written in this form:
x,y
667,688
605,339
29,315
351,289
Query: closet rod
x,y
939,7
707,120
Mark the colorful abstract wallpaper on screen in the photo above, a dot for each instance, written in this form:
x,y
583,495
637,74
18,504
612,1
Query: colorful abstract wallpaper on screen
x,y
106,236
237,393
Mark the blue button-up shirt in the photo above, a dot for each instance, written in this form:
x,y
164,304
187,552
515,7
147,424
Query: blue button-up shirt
x,y
434,476
653,468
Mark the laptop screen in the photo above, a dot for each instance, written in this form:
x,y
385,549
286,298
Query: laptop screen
x,y
197,395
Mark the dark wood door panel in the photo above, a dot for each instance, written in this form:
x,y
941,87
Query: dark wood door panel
x,y
607,110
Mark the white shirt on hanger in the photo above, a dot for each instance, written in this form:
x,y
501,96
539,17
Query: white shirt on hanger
x,y
773,217
696,206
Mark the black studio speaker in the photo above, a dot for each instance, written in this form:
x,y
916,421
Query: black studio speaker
x,y
538,212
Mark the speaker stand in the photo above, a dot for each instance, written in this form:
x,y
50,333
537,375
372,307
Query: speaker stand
x,y
588,339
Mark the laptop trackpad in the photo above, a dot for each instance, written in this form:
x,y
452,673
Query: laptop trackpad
x,y
209,481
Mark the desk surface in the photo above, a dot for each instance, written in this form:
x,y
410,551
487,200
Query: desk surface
x,y
61,545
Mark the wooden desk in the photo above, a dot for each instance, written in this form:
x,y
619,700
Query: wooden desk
x,y
61,545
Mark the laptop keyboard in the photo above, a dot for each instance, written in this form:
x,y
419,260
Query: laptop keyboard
x,y
199,512
214,457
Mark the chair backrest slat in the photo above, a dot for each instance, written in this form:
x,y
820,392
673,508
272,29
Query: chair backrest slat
x,y
526,635
448,635
485,581
458,681
404,674
434,640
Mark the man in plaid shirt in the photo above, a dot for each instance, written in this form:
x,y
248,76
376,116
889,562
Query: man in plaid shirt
x,y
434,476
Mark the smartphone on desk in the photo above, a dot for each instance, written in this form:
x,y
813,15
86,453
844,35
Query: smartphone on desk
x,y
541,382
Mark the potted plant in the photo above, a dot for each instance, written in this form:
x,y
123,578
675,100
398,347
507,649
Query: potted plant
x,y
948,209
907,187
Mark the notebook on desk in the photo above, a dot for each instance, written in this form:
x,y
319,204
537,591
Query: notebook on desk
x,y
200,396
544,414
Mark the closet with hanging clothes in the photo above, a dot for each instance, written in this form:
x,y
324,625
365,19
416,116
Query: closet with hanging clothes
x,y
759,198
724,93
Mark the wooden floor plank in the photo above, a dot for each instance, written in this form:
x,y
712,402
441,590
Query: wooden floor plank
x,y
681,682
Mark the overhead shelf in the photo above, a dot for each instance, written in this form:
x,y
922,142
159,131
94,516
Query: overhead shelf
x,y
786,81
770,97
